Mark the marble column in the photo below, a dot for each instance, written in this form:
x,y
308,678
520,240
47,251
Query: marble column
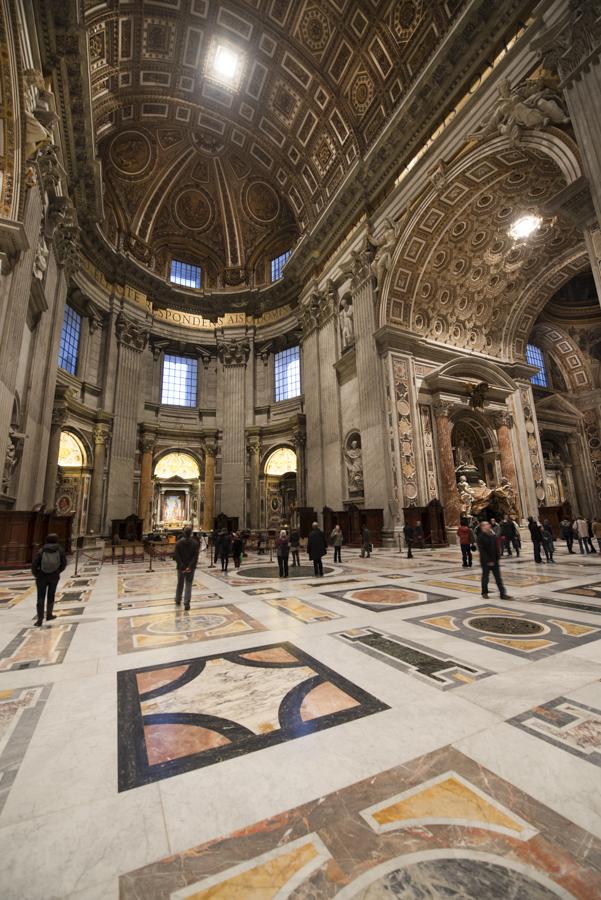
x,y
147,442
299,439
253,448
448,481
233,355
101,436
59,418
575,451
503,423
210,449
132,337
377,475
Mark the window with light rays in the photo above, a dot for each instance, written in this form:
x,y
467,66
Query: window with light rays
x,y
534,356
69,344
287,374
179,381
185,274
277,265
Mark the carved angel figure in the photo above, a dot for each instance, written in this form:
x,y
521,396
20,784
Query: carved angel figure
x,y
530,105
466,495
384,245
354,467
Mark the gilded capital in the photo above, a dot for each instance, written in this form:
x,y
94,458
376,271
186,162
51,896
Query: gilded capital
x,y
502,419
233,353
131,334
101,433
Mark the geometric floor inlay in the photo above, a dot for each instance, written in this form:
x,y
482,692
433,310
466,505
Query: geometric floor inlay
x,y
382,597
440,826
181,626
33,647
183,715
414,659
20,709
530,635
13,593
151,583
167,601
567,724
304,612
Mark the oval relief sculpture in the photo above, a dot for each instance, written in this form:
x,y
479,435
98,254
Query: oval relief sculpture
x,y
194,209
262,202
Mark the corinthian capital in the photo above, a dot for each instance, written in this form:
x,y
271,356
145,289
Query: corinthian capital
x,y
101,433
253,445
442,408
147,441
233,353
131,334
502,419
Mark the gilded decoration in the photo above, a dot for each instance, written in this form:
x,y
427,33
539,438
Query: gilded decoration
x,y
532,439
458,250
71,453
177,465
8,113
425,412
281,461
593,441
402,402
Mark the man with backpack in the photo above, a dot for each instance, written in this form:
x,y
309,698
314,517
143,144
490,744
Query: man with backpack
x,y
186,559
46,568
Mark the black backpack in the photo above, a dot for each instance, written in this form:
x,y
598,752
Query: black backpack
x,y
51,561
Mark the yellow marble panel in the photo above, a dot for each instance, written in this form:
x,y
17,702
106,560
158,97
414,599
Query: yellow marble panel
x,y
447,622
455,586
446,799
526,646
573,628
496,611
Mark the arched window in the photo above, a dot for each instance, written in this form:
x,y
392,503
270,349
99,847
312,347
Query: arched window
x,y
281,461
534,356
71,453
181,465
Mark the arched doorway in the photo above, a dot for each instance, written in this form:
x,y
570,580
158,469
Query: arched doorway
x,y
177,491
73,481
279,488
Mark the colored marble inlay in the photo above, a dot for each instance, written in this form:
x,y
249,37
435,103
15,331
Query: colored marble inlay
x,y
383,597
14,592
181,716
413,659
33,647
151,583
182,627
438,826
272,571
65,612
565,604
304,612
20,709
259,592
524,634
454,586
167,602
567,724
73,596
590,590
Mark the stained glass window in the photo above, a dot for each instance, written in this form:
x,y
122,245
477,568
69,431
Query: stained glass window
x,y
278,263
287,374
69,345
185,274
179,381
534,356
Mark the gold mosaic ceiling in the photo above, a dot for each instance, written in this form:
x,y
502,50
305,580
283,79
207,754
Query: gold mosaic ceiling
x,y
223,171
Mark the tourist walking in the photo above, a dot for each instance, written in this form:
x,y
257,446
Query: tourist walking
x,y
466,542
295,548
186,560
225,545
409,535
597,531
282,553
581,532
548,541
46,568
589,526
316,548
566,533
495,527
365,541
337,539
237,549
534,529
510,535
488,547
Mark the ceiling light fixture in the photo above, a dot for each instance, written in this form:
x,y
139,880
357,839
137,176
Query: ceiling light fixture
x,y
224,64
523,227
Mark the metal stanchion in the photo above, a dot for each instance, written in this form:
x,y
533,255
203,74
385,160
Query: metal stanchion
x,y
210,547
150,556
76,560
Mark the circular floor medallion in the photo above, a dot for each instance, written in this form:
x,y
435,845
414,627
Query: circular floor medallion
x,y
505,625
273,571
186,623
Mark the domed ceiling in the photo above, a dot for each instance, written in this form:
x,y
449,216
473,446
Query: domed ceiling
x,y
216,167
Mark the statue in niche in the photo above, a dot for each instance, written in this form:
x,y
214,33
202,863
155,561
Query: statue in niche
x,y
40,263
466,495
464,458
384,245
10,462
353,457
346,322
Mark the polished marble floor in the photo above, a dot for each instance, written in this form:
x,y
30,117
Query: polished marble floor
x,y
380,732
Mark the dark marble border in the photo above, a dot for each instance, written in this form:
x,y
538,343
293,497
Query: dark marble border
x,y
134,768
550,714
16,747
376,607
37,661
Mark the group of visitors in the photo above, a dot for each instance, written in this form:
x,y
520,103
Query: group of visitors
x,y
506,533
582,530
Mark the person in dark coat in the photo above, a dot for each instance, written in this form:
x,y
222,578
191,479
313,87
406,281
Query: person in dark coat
x,y
488,547
466,539
225,545
186,560
548,542
295,547
566,532
46,568
282,553
409,535
535,534
237,548
365,541
316,548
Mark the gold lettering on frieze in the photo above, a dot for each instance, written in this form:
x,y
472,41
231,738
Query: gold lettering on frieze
x,y
189,320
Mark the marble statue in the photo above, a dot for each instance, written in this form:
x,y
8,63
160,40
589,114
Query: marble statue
x,y
530,105
466,495
464,458
384,245
40,263
354,467
506,491
10,462
346,323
